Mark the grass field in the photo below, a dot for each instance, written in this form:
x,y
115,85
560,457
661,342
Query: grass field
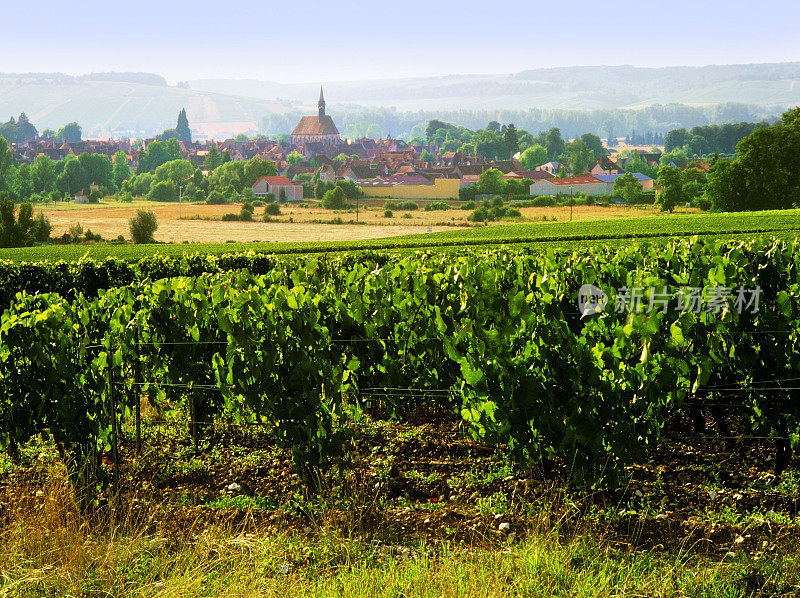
x,y
202,223
595,224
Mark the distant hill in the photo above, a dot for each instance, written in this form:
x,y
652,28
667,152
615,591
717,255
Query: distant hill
x,y
142,104
126,104
577,88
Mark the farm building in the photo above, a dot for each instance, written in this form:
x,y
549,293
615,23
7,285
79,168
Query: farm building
x,y
575,184
276,184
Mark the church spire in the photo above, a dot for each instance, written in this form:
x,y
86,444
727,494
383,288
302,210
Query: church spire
x,y
321,104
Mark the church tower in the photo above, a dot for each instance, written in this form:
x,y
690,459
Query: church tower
x,y
321,104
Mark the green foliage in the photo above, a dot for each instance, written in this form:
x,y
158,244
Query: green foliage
x,y
334,199
671,194
273,209
388,214
533,156
628,187
163,191
143,225
20,229
493,334
403,206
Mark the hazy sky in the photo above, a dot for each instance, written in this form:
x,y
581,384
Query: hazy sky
x,y
344,39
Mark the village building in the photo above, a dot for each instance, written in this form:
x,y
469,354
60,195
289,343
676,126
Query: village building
x,y
316,129
275,185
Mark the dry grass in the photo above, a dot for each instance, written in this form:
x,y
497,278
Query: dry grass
x,y
201,223
48,548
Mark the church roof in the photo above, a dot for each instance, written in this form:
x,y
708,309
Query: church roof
x,y
313,125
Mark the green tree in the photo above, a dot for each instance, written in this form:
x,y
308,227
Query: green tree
x,y
213,158
727,188
120,170
554,143
143,225
491,182
162,191
73,179
579,156
154,156
70,133
628,187
594,144
533,156
23,182
25,130
335,199
6,166
177,172
182,129
294,158
43,172
15,231
671,194
511,140
257,167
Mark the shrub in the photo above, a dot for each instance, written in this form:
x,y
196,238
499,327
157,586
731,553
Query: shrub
x,y
388,214
470,205
273,209
216,198
162,191
90,236
408,205
282,197
334,199
95,195
231,217
437,205
543,201
143,224
258,203
124,197
246,212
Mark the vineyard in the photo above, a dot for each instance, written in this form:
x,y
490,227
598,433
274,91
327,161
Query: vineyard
x,y
493,337
543,234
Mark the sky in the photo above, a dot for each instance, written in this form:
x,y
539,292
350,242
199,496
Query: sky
x,y
339,40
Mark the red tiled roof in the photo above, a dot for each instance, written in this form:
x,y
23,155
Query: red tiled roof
x,y
275,180
313,125
575,180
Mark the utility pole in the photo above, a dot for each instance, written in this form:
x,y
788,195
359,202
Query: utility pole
x,y
570,203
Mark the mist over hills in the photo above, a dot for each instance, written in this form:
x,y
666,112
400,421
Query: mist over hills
x,y
599,97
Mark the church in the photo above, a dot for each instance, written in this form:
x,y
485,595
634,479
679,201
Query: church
x,y
316,129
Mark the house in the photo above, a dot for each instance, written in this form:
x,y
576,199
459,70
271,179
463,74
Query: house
x,y
411,187
570,185
276,184
550,167
604,166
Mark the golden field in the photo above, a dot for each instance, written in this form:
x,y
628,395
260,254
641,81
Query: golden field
x,y
201,223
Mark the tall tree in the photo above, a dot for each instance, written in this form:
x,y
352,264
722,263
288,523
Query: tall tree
x,y
6,165
73,179
554,143
533,156
182,129
213,158
70,133
120,171
595,145
25,130
43,172
511,140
